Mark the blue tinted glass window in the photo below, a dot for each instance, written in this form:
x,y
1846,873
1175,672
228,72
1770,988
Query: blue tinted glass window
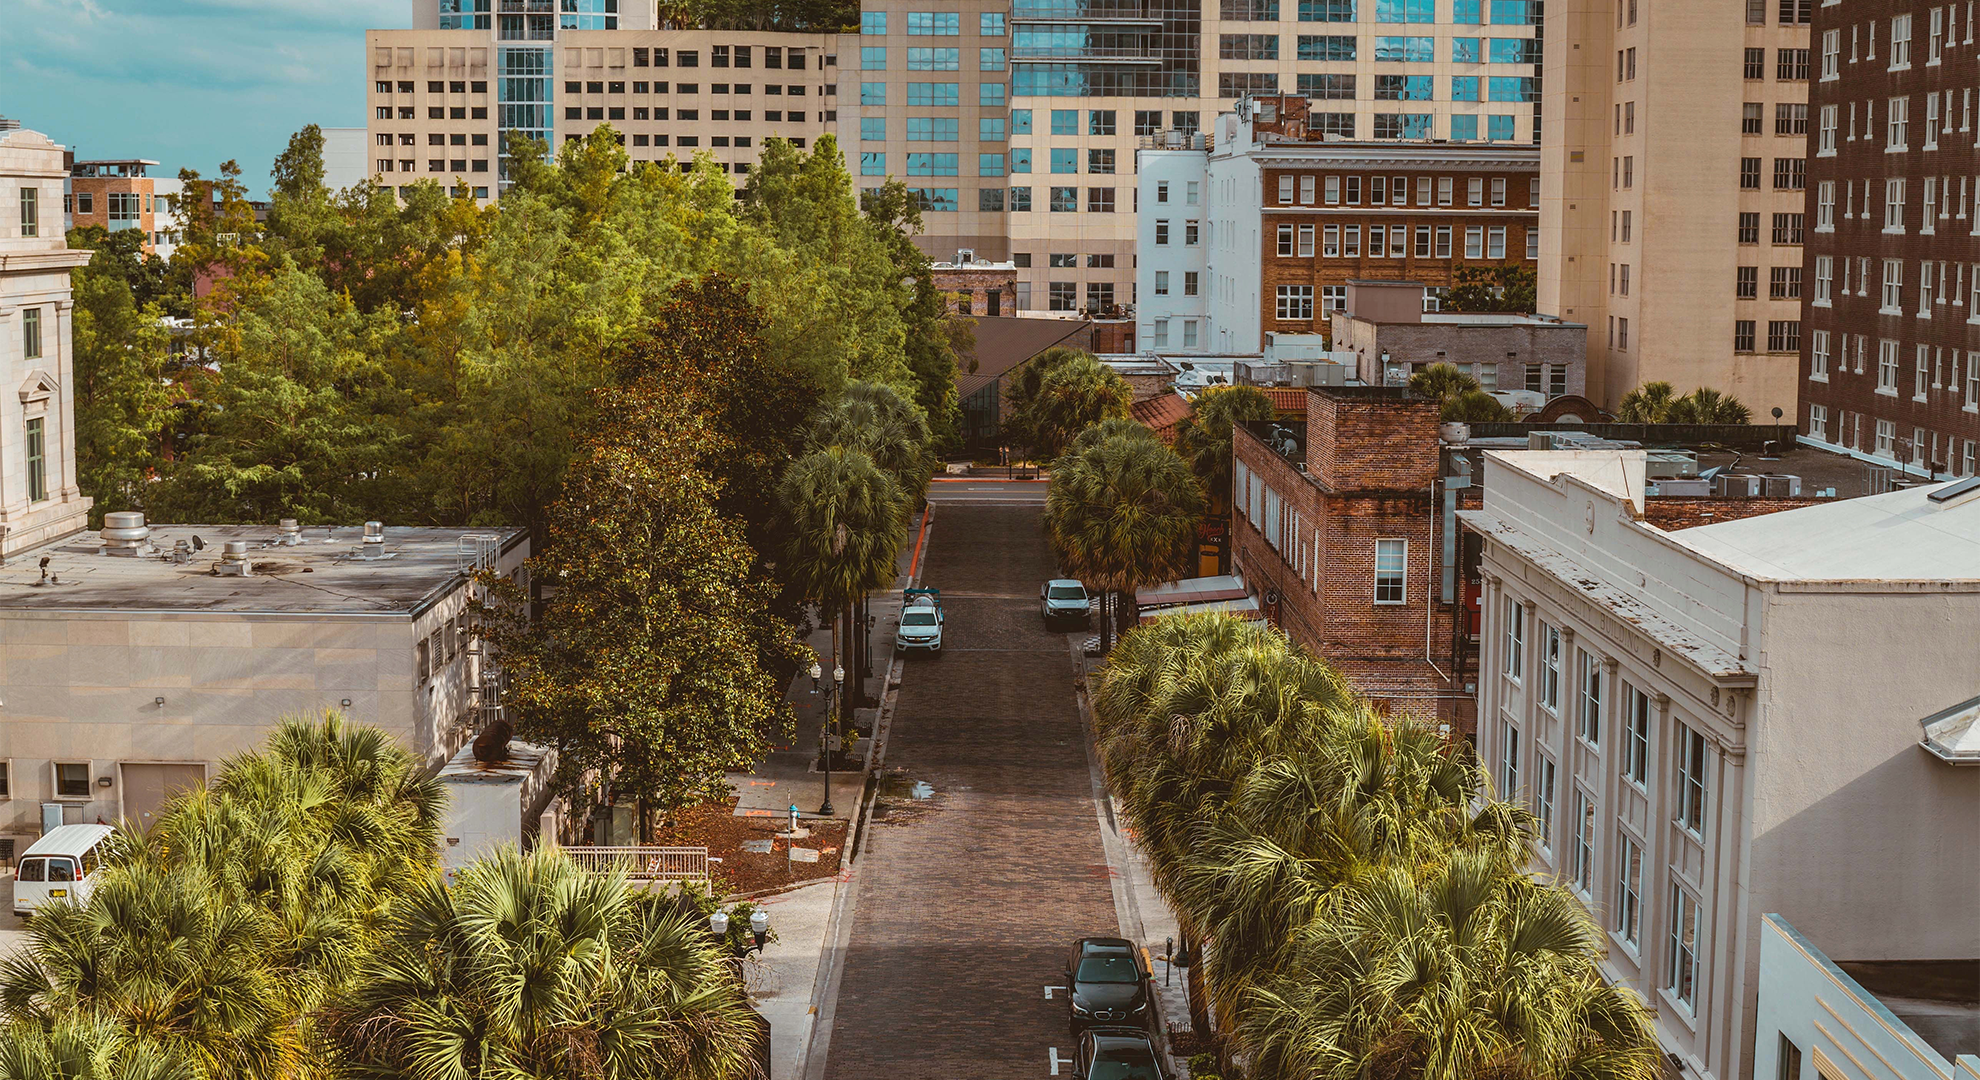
x,y
934,24
1402,88
1020,159
936,200
991,24
874,164
1464,88
1065,200
1404,49
872,93
1511,88
1510,51
990,129
1405,11
934,59
872,129
1326,10
872,58
1464,50
1065,121
931,164
931,128
989,164
990,95
1065,161
1020,121
933,94
1510,13
1467,12
1312,47
872,22
1464,128
1499,128
990,60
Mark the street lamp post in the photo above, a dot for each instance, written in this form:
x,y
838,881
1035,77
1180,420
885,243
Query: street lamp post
x,y
759,929
838,688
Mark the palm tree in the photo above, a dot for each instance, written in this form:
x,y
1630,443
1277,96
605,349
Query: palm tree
x,y
84,1048
1072,397
845,520
1708,406
530,967
1122,511
1467,970
1024,385
1647,404
1441,381
1203,438
1474,407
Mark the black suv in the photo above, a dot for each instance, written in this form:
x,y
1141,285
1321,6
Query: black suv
x,y
1107,984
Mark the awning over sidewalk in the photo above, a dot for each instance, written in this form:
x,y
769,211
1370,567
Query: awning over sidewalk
x,y
1191,596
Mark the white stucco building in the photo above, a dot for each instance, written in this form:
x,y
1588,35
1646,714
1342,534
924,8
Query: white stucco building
x,y
39,499
1718,722
1172,310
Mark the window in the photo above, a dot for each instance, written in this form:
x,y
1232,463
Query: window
x,y
1295,303
1788,228
1751,118
873,22
1743,335
1898,124
1784,283
1100,161
1405,49
1590,727
1100,200
1797,12
1583,863
37,460
933,95
1161,233
1021,201
31,333
931,164
1161,283
1756,64
1312,47
1791,65
871,58
1189,282
870,164
990,24
30,211
1690,794
1391,556
1285,241
1784,335
1790,174
1100,122
72,779
1790,119
1681,972
925,59
1515,640
1326,11
1749,175
1509,765
1818,420
990,59
1402,88
1550,661
1248,47
1636,751
1824,271
1064,296
932,128
1900,42
1065,200
1192,231
1893,299
934,24
1629,888
1746,283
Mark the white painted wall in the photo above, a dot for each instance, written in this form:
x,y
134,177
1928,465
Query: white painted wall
x,y
1178,170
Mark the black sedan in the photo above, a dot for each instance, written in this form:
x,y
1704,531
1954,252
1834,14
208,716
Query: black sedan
x,y
1110,1053
1107,984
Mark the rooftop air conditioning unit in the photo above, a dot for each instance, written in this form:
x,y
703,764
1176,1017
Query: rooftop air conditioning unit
x,y
1675,487
1672,465
1781,485
1738,485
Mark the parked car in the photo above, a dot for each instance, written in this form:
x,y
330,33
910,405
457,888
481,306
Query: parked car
x,y
1107,984
921,622
63,865
1063,598
1115,1053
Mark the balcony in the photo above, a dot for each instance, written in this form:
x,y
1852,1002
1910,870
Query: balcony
x,y
1053,54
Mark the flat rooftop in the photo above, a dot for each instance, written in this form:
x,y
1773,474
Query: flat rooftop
x,y
1900,536
1939,1000
322,575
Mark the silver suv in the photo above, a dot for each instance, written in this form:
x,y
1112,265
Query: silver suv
x,y
1063,598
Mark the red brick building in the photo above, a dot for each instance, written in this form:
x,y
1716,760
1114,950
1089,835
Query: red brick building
x,y
1338,530
1890,320
119,195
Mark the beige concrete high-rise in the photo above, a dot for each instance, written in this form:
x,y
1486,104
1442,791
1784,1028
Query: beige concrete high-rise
x,y
1672,188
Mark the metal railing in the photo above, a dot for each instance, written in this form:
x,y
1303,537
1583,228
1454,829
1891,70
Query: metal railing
x,y
645,863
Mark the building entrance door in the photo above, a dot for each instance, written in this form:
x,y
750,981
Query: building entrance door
x,y
148,787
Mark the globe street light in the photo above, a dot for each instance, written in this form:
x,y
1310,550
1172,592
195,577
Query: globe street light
x,y
825,734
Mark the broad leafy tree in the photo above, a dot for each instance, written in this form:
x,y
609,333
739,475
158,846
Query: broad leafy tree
x,y
1506,287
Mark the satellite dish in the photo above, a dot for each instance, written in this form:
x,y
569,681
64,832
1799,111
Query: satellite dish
x,y
198,544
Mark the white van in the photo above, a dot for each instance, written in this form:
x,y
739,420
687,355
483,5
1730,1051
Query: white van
x,y
63,865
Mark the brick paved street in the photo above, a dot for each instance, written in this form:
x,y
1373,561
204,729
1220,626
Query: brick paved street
x,y
967,902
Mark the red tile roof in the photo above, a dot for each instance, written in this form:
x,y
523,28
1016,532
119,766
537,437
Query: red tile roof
x,y
1288,401
1162,414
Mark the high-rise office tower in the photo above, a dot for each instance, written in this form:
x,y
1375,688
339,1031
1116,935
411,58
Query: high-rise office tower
x,y
1891,351
1029,139
446,93
1672,190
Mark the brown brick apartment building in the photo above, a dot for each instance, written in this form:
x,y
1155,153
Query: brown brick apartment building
x,y
120,195
1289,216
1337,530
1890,356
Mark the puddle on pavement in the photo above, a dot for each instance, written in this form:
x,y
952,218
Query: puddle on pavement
x,y
900,799
903,787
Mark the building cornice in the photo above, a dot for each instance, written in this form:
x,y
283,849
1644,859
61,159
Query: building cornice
x,y
1413,156
58,259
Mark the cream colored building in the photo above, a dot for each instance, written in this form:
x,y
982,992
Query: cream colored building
x,y
444,94
39,499
1672,191
1739,718
133,662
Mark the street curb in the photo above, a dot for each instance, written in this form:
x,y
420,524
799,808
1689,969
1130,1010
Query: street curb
x,y
838,930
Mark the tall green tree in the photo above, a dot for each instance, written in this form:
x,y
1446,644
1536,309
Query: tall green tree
x,y
122,400
1506,287
649,668
1203,438
1122,511
533,969
1071,397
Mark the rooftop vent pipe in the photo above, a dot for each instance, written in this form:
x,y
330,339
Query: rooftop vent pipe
x,y
290,533
234,559
125,533
374,540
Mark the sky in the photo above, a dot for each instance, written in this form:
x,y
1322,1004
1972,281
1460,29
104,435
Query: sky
x,y
187,83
